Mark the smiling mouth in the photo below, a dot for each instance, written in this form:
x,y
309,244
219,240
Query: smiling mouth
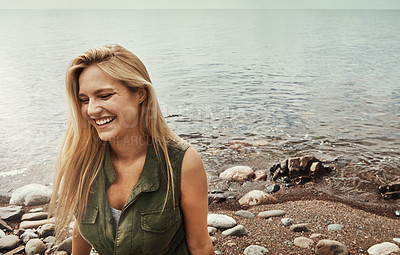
x,y
104,121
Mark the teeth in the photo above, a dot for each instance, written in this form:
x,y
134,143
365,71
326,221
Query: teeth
x,y
104,121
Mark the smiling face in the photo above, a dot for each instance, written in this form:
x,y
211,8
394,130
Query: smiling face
x,y
109,105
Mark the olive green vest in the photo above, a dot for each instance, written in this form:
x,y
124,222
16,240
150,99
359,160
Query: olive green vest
x,y
145,226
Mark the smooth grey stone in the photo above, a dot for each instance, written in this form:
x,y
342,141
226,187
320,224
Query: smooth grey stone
x,y
11,212
35,246
9,242
302,227
66,245
34,216
383,249
397,213
31,194
397,240
47,230
238,230
245,214
28,235
287,221
273,188
331,247
220,221
302,242
35,210
50,239
271,213
335,227
35,223
255,250
4,225
2,234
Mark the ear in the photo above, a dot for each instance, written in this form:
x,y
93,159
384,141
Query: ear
x,y
142,92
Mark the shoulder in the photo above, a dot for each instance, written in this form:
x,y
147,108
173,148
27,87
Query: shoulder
x,y
192,164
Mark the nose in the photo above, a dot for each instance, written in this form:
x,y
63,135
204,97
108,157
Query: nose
x,y
94,108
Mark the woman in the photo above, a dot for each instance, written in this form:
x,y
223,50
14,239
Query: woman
x,y
133,186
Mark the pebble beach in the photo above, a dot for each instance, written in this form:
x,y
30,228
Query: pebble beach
x,y
290,220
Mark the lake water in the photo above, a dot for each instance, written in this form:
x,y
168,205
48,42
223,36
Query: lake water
x,y
295,82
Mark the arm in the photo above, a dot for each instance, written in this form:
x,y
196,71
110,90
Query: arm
x,y
79,245
194,204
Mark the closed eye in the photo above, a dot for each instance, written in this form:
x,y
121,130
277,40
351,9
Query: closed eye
x,y
106,96
84,100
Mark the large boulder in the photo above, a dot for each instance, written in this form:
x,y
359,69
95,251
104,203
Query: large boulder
x,y
31,194
257,197
237,173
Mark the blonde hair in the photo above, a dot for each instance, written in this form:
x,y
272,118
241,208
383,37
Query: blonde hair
x,y
82,152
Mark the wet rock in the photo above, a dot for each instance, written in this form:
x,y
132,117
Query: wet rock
x,y
245,214
259,175
303,168
35,246
271,213
238,230
47,230
383,249
306,162
302,179
392,190
66,245
4,225
237,173
35,223
335,227
9,242
211,230
294,167
257,197
220,221
255,250
287,222
11,212
34,216
302,242
273,188
286,179
331,247
216,198
317,169
31,194
302,227
28,235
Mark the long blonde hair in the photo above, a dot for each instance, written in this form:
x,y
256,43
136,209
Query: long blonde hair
x,y
82,152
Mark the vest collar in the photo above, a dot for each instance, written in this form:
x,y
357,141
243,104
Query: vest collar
x,y
149,179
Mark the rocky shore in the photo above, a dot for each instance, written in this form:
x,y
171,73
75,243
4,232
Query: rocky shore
x,y
289,215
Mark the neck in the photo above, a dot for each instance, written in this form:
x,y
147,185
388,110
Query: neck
x,y
128,150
